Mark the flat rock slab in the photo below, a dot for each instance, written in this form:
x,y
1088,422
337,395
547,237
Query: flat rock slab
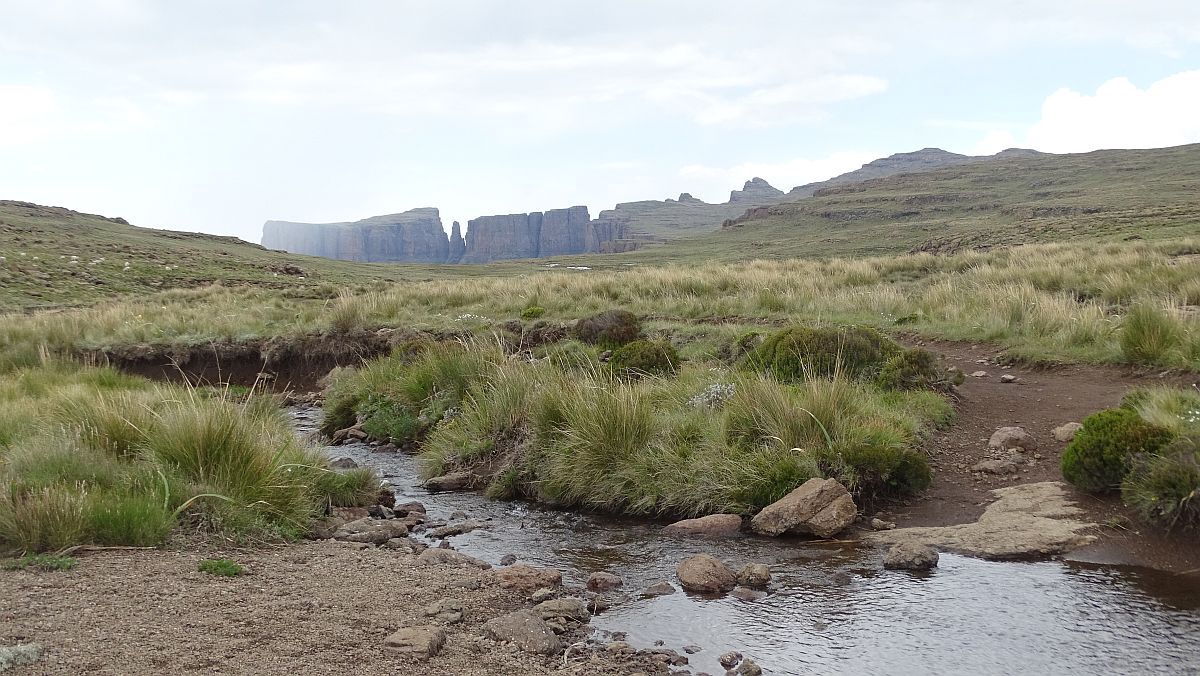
x,y
1027,521
526,629
419,642
713,525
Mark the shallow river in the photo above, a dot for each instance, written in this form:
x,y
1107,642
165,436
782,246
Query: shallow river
x,y
832,609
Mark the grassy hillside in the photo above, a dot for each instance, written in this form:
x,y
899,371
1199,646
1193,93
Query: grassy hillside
x,y
1105,195
53,257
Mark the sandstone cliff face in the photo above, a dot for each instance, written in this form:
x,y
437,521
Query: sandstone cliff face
x,y
756,191
553,233
458,245
563,231
415,236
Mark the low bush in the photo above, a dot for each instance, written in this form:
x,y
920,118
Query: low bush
x,y
1148,335
533,312
799,353
1164,489
916,369
221,567
1100,455
1172,408
609,329
645,357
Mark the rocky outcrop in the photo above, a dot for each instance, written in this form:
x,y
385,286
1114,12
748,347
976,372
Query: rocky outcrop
x,y
756,191
458,245
553,233
563,231
414,236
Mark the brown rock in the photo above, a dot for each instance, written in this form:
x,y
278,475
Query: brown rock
x,y
706,574
420,642
754,575
450,482
528,579
526,629
601,582
568,607
713,525
372,531
1012,437
1066,432
821,507
911,556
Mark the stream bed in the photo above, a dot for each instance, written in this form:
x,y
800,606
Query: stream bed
x,y
832,609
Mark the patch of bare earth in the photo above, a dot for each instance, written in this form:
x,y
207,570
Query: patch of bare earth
x,y
1038,400
312,608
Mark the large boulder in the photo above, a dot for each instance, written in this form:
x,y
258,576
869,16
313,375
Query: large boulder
x,y
371,531
523,578
705,574
419,642
713,525
754,575
911,556
526,629
821,507
1007,438
448,557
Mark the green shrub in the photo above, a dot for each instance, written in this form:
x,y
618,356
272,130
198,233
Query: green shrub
x,y
43,562
358,487
1148,335
343,396
645,357
221,567
128,517
1172,408
533,312
1100,455
799,353
389,420
567,355
877,470
1164,489
611,329
915,369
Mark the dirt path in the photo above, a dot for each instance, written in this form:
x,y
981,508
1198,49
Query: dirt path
x,y
1039,400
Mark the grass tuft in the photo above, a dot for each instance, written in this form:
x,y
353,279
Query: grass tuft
x,y
221,567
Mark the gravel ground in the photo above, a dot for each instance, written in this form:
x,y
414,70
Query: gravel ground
x,y
313,608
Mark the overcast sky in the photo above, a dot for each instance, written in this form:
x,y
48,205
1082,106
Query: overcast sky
x,y
216,115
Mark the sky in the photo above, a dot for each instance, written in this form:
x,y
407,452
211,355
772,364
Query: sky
x,y
217,115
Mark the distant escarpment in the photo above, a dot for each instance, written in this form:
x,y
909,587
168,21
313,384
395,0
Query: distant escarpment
x,y
415,236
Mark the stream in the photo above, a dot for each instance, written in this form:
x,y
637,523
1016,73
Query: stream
x,y
832,609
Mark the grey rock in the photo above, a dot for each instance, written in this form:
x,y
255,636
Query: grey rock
x,y
543,594
343,463
527,578
911,556
568,607
458,528
445,611
749,668
1008,378
1066,432
526,629
730,659
995,467
747,594
692,649
706,574
371,531
380,512
821,507
880,524
1007,438
713,525
508,559
420,642
456,481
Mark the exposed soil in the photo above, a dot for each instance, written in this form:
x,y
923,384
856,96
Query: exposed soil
x,y
316,607
1041,399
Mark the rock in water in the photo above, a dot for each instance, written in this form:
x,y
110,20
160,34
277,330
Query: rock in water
x,y
1007,438
911,556
730,659
754,575
821,507
706,574
450,482
713,525
662,588
343,463
747,594
420,642
602,582
523,578
1066,432
526,629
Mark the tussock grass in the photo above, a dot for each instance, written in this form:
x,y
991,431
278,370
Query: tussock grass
x,y
94,456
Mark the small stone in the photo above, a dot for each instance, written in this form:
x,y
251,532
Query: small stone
x,y
880,524
754,575
508,559
619,647
995,467
408,508
692,649
749,668
568,607
1008,378
1007,438
458,528
543,594
730,659
448,557
419,642
747,594
343,463
979,374
911,556
600,582
713,525
527,578
371,531
445,611
1066,432
526,629
662,588
458,515
450,482
380,512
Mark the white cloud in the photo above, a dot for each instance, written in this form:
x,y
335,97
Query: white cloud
x,y
1118,115
714,183
27,114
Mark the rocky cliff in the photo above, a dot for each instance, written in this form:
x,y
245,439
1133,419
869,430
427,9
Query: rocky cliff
x,y
534,235
414,236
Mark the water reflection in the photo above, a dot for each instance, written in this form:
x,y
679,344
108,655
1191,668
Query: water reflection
x,y
832,609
